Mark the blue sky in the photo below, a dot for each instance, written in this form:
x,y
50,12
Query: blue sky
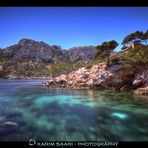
x,y
70,26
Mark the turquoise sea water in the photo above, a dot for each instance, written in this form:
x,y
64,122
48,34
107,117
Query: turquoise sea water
x,y
28,111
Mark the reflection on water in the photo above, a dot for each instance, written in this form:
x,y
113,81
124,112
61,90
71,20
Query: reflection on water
x,y
29,111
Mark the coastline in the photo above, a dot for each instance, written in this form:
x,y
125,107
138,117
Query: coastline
x,y
25,78
116,77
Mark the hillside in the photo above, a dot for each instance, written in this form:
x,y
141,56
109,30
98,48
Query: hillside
x,y
78,67
128,70
29,58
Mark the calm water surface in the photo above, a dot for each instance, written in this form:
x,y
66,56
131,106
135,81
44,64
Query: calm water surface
x,y
29,111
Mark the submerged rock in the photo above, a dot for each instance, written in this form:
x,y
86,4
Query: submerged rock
x,y
124,88
119,115
45,84
8,123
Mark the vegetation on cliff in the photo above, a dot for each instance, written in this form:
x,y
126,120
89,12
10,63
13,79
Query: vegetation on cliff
x,y
25,59
30,68
133,57
29,58
104,50
133,53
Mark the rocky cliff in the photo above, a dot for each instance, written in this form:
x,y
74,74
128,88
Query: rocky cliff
x,y
31,58
86,53
34,50
98,76
1,70
116,77
140,82
40,51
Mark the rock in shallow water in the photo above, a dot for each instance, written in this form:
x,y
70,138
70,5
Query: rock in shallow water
x,y
8,123
119,115
142,91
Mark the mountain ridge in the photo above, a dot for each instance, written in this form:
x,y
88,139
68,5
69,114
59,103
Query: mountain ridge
x,y
41,51
29,58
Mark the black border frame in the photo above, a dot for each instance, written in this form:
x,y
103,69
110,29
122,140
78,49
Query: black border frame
x,y
26,144
74,3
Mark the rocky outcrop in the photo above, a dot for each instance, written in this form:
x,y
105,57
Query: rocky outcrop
x,y
8,123
141,82
1,71
34,50
142,90
141,78
82,53
115,77
40,51
1,68
98,76
65,54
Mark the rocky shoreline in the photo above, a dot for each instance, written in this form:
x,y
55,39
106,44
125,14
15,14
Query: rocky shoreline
x,y
24,78
115,77
141,83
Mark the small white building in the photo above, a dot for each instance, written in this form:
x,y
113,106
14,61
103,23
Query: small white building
x,y
131,45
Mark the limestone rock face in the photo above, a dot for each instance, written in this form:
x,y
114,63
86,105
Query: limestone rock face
x,y
138,83
98,76
140,78
115,77
1,71
116,67
141,82
34,50
82,53
1,68
142,90
40,51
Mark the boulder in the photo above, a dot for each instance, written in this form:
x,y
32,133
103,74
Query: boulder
x,y
141,78
46,84
142,91
8,123
116,82
138,83
1,68
116,67
124,88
